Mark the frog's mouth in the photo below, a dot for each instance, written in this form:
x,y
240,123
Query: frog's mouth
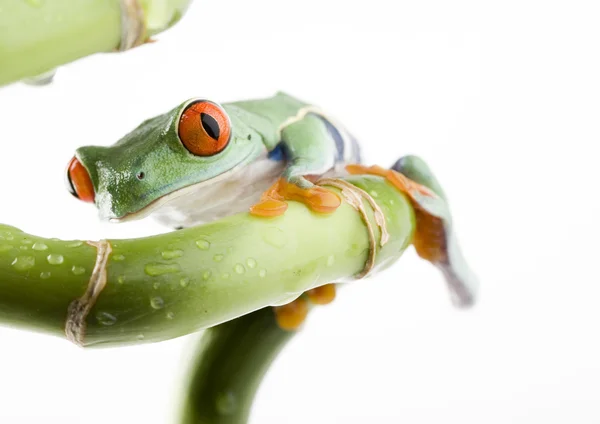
x,y
170,197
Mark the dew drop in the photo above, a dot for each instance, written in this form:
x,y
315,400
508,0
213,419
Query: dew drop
x,y
157,302
27,241
374,193
206,275
203,244
184,282
239,268
23,247
262,273
218,257
118,258
121,279
140,337
251,262
23,263
172,254
105,318
160,269
74,244
55,259
45,275
330,260
77,270
156,286
225,275
39,246
8,236
275,237
170,315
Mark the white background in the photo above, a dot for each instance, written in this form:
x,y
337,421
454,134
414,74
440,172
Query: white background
x,y
501,98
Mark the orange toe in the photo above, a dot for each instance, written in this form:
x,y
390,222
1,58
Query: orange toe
x,y
291,316
320,199
322,295
398,180
269,208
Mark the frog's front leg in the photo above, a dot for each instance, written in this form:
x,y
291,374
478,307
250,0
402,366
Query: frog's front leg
x,y
310,152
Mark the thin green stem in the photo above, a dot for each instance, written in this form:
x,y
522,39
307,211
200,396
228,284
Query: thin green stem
x,y
230,363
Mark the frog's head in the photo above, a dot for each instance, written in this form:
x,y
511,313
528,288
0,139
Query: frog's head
x,y
196,143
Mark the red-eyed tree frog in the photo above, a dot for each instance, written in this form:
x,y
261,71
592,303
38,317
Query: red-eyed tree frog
x,y
202,161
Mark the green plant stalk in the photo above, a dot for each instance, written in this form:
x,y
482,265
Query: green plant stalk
x,y
230,363
37,36
173,284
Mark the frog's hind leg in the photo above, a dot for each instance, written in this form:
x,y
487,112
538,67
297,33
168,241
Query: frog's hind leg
x,y
435,239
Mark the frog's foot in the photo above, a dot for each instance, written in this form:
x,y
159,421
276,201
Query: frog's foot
x,y
291,316
273,201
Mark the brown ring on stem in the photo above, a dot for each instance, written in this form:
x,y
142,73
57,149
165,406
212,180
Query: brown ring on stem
x,y
133,25
353,196
79,309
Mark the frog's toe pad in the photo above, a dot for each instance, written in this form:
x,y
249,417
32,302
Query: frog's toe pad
x,y
269,207
320,199
322,295
291,316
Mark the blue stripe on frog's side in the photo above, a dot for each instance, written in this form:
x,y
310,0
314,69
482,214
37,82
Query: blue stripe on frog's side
x,y
337,138
346,145
277,153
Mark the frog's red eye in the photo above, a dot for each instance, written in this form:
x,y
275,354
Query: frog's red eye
x,y
204,128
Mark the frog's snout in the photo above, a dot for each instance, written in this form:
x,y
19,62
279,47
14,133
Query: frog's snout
x,y
79,182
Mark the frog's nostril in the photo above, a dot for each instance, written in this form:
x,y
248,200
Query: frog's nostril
x,y
79,182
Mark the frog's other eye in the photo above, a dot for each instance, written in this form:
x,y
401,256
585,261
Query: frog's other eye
x,y
79,182
204,128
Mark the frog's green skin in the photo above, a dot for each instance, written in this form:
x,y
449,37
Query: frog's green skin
x,y
193,189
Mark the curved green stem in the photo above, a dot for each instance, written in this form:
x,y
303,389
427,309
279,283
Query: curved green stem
x,y
173,284
36,36
231,360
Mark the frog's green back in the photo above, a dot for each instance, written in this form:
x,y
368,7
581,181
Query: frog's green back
x,y
277,108
266,115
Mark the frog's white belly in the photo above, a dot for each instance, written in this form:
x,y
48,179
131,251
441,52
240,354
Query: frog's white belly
x,y
224,197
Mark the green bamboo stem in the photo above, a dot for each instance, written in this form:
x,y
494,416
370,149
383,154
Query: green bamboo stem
x,y
231,361
173,284
36,36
